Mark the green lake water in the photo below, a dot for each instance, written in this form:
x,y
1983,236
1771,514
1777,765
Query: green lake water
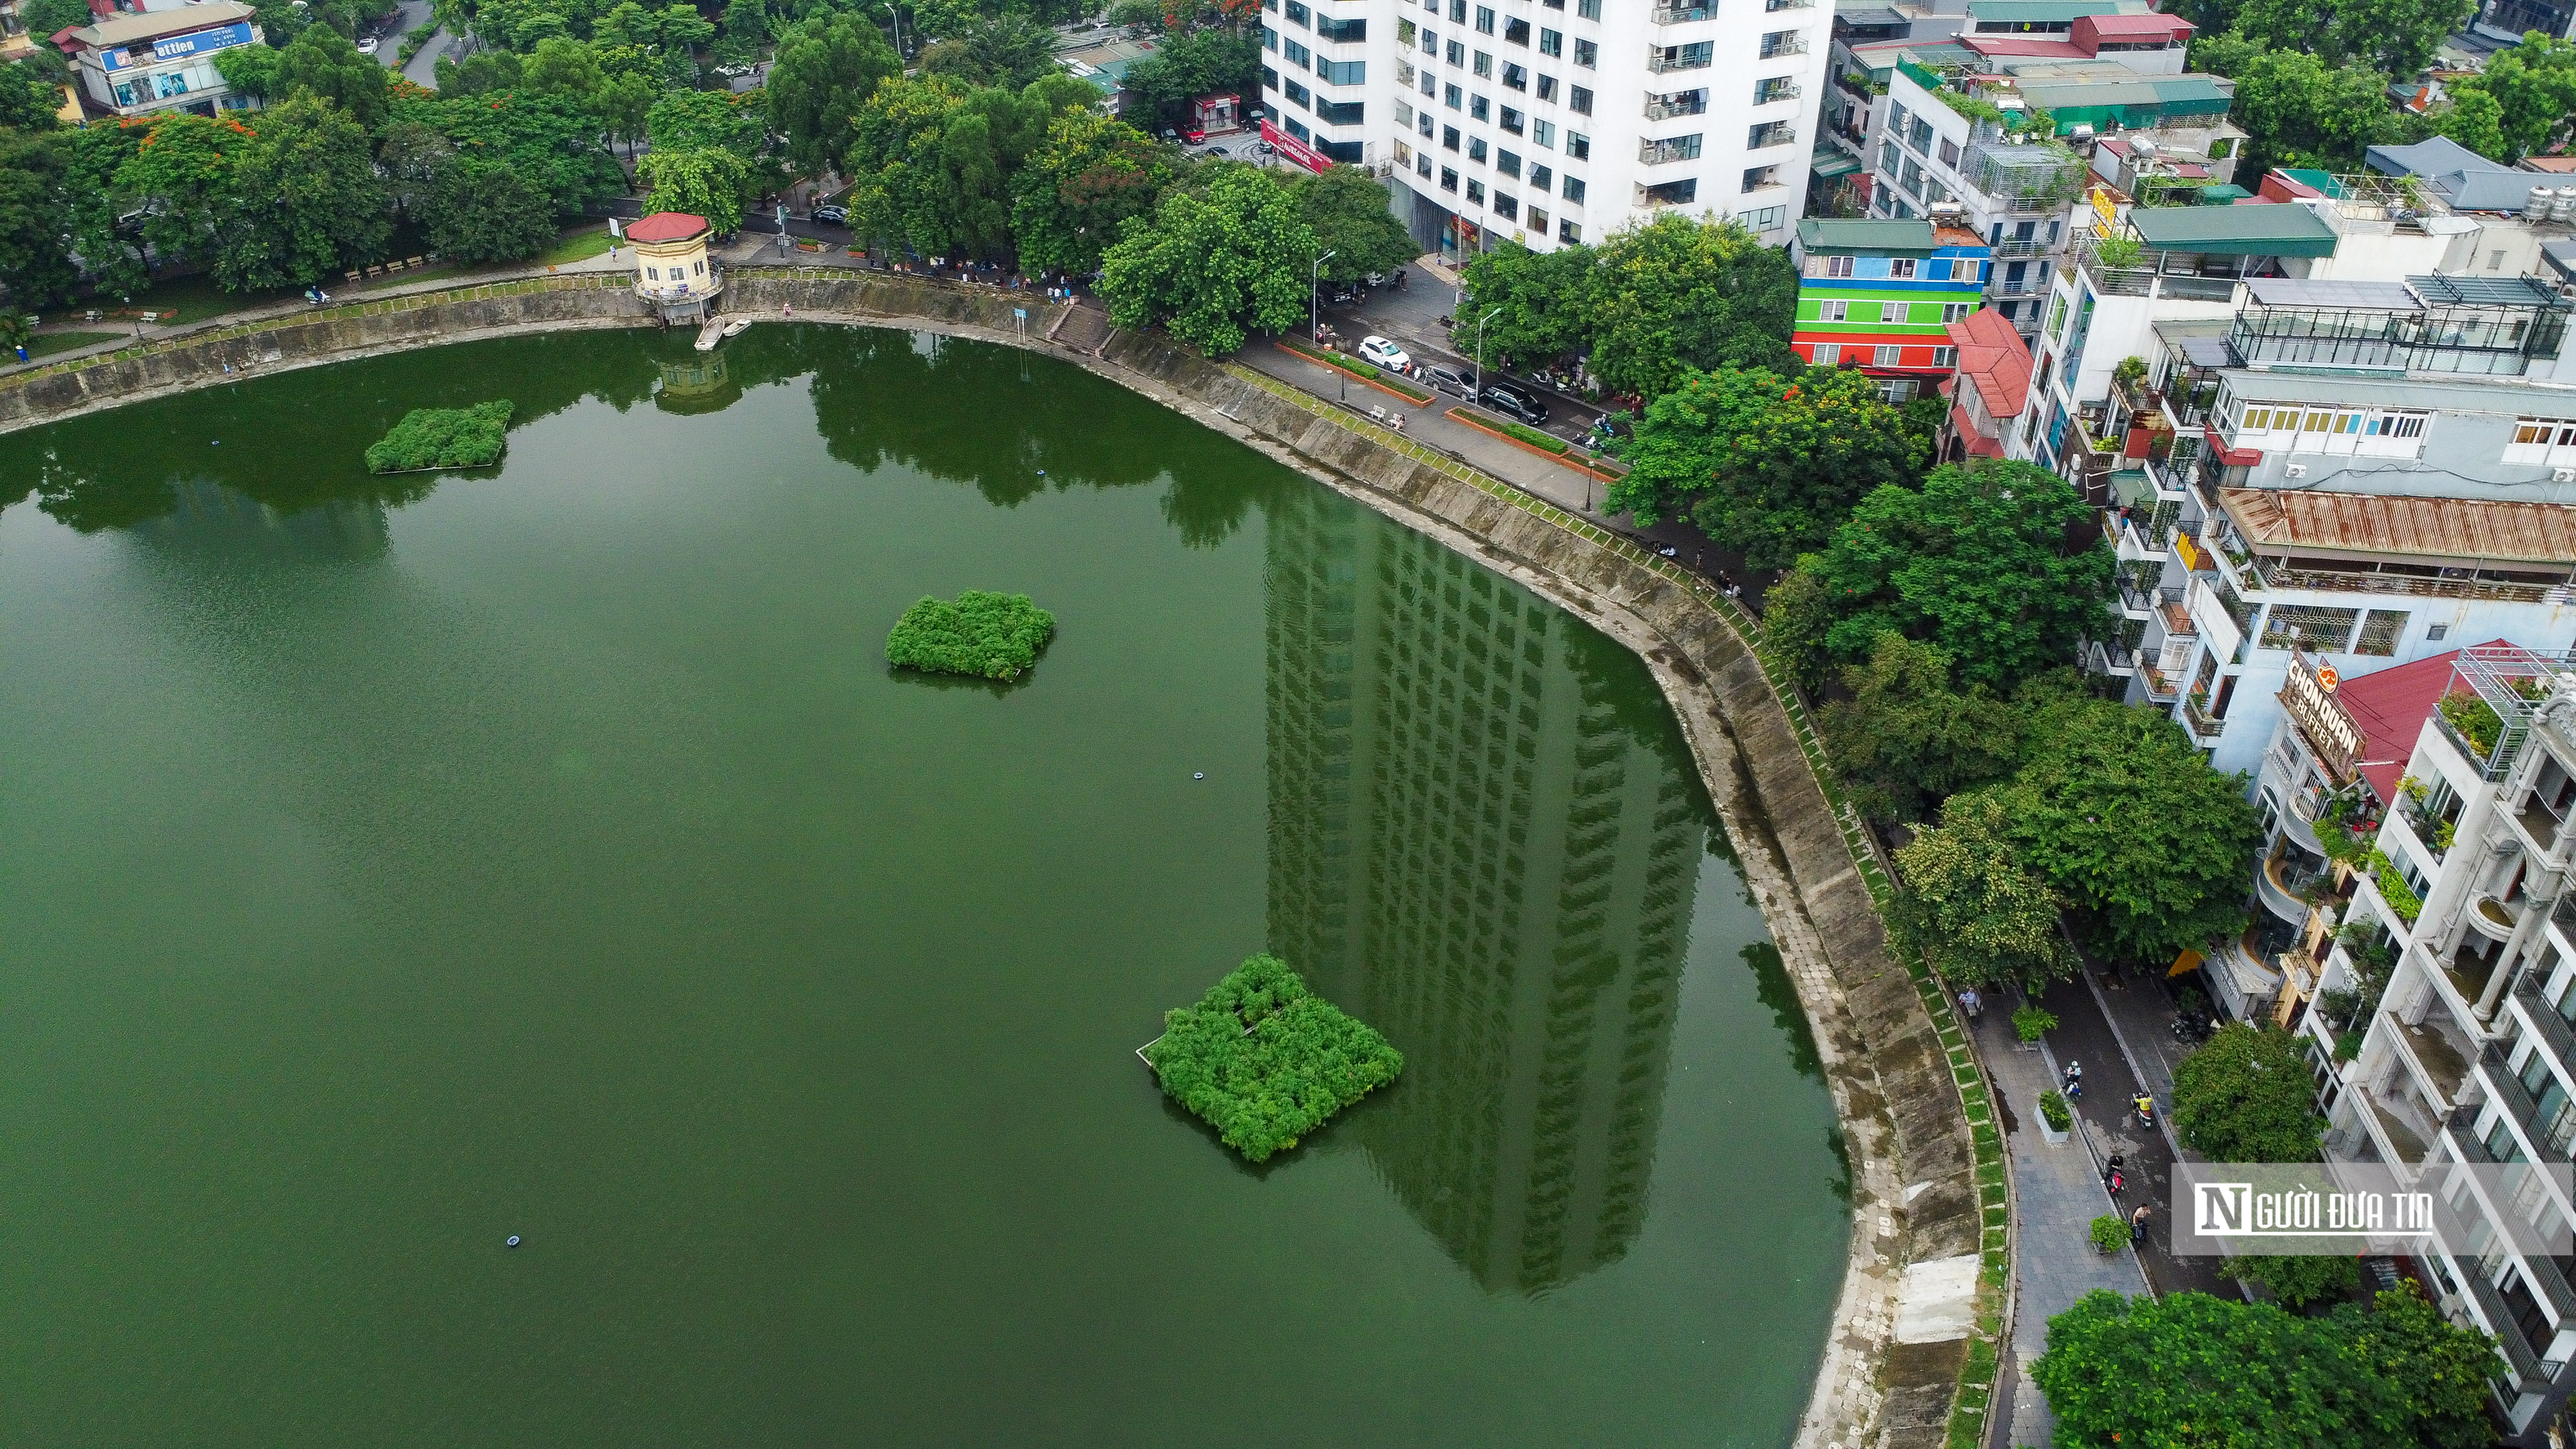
x,y
388,867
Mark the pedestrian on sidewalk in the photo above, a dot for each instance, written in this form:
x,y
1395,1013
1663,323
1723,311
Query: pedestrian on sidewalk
x,y
2138,1224
1969,1005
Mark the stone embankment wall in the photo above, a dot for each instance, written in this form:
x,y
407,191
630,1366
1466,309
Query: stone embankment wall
x,y
1914,1113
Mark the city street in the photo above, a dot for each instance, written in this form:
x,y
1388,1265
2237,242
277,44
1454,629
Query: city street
x,y
423,69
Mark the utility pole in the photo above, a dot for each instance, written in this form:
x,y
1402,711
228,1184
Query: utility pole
x,y
1315,297
1480,350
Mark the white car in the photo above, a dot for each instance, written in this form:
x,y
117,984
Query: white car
x,y
1384,353
367,46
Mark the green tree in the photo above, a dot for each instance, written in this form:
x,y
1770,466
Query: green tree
x,y
2530,92
486,213
1075,191
717,119
1677,295
252,70
550,141
28,97
1795,617
2117,809
2244,1096
322,62
1346,209
1191,64
181,177
46,19
1971,909
1905,738
2190,1370
563,66
411,156
2436,1373
624,105
1544,299
1977,558
1764,463
1007,50
2298,1279
2475,120
2392,37
35,220
825,69
705,181
2297,109
96,158
477,74
1213,267
310,201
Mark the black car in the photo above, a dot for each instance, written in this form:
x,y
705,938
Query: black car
x,y
1512,402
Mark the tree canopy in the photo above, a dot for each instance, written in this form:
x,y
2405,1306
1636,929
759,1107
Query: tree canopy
x,y
1346,209
1079,187
2245,1096
1973,911
1539,302
2297,108
1677,294
823,71
1213,267
1764,462
2000,564
1905,738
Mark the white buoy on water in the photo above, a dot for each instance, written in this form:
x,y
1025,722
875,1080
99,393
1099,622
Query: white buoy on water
x,y
1198,774
514,1240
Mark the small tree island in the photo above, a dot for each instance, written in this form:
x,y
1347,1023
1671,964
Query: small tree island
x,y
443,438
993,636
1266,1061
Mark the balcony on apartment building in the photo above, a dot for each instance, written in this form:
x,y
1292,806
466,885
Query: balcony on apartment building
x,y
1782,43
2379,544
1681,14
1698,55
2037,177
1687,103
2441,1056
2160,686
2203,253
2514,1315
1668,150
2489,326
2553,1027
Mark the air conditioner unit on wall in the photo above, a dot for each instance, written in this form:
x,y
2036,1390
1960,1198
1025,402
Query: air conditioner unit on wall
x,y
2562,475
2295,470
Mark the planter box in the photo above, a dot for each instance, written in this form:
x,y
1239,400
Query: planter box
x,y
2052,1136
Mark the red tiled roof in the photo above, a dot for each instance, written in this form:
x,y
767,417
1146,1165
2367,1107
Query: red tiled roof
x,y
1977,443
663,226
1995,358
2391,706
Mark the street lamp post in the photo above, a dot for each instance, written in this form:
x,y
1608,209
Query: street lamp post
x,y
898,27
1315,297
1480,349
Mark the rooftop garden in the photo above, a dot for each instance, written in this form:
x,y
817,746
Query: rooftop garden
x,y
1265,1061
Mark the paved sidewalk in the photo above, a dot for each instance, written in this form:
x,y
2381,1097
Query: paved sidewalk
x,y
2057,1193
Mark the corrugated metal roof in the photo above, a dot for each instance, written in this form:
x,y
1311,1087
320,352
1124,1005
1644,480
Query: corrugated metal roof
x,y
2301,292
1866,236
2444,528
2488,291
2049,11
126,29
2254,229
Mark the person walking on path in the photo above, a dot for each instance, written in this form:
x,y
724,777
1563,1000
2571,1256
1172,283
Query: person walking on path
x,y
1969,1004
2138,1223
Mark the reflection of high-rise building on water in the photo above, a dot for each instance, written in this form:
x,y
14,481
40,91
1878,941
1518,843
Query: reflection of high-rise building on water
x,y
1485,844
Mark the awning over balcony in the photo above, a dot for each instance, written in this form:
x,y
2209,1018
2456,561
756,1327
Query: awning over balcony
x,y
2444,528
1831,161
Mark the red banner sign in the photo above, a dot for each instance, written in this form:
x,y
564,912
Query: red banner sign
x,y
1292,149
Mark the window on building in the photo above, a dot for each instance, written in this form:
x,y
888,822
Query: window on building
x,y
1758,177
1828,354
1945,357
1458,11
1506,207
1475,192
1298,93
1588,9
1516,77
1543,133
1568,232
1452,97
1341,32
1890,355
1769,134
2382,630
1508,162
1404,31
1341,113
1269,39
2541,440
1547,88
1476,149
1484,20
1298,55
1901,268
1836,267
1586,54
1949,153
1479,109
2319,629
1430,43
1342,72
1834,311
652,274
1538,220
1913,175
1673,193
1956,311
1297,14
1422,164
1484,66
1919,135
1571,189
1448,179
1551,42
1511,121
1269,79
1403,154
1541,178
1403,116
1457,53
1449,138
1578,100
1427,88
1516,32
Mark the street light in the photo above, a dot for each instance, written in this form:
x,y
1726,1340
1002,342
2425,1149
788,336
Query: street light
x,y
1480,349
1315,297
898,27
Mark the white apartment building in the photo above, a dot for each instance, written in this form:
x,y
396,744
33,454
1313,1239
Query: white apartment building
x,y
2457,1042
1550,122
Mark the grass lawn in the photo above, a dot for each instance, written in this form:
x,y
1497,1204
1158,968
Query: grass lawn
x,y
45,344
194,298
592,241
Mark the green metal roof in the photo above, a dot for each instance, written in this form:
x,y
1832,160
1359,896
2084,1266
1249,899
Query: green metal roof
x,y
2262,229
1865,236
2132,100
1830,161
2225,193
